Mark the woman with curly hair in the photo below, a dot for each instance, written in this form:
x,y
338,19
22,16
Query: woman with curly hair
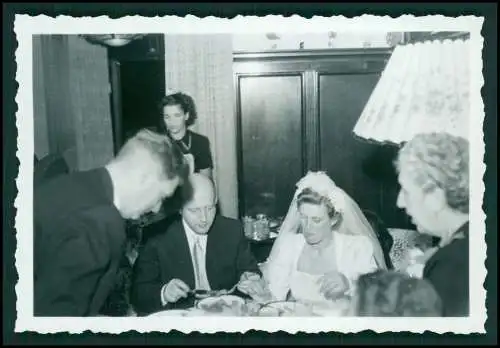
x,y
433,171
178,112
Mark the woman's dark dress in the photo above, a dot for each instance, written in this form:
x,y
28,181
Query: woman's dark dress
x,y
448,271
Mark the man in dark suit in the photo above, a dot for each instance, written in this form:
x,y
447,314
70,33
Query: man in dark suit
x,y
79,231
198,251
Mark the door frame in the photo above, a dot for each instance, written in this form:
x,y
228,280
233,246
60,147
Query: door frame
x,y
116,103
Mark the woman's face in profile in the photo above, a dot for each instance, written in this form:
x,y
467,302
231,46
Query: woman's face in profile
x,y
418,204
175,118
315,222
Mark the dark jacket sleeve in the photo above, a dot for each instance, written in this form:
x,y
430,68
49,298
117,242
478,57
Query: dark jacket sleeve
x,y
246,261
146,280
71,272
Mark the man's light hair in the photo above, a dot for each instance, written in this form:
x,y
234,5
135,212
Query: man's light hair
x,y
161,149
442,160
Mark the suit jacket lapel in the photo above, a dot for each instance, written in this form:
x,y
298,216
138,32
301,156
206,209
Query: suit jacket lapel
x,y
211,256
179,256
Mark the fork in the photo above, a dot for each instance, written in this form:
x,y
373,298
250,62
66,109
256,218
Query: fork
x,y
233,289
216,292
227,292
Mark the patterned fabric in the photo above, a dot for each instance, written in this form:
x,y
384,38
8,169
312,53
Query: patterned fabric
x,y
118,303
410,251
404,241
424,88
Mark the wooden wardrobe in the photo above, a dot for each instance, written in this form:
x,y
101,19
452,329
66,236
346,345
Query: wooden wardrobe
x,y
296,112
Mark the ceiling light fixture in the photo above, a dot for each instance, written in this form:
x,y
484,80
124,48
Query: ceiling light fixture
x,y
113,40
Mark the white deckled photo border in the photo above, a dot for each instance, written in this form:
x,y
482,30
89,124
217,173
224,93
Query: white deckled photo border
x,y
26,26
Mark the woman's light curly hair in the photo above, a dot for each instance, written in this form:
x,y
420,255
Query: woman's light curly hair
x,y
442,160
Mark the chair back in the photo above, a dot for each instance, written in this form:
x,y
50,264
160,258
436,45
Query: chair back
x,y
385,238
49,167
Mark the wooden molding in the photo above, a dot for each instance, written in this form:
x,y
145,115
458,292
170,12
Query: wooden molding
x,y
308,54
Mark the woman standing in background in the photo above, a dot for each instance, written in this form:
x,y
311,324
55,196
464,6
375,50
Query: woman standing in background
x,y
178,112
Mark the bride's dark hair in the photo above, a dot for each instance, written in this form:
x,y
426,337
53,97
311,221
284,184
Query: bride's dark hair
x,y
310,196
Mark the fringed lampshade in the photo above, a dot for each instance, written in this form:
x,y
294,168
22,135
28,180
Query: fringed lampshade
x,y
424,88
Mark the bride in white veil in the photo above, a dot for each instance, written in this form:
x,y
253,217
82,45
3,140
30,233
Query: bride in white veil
x,y
356,250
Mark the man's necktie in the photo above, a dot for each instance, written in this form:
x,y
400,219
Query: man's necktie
x,y
197,256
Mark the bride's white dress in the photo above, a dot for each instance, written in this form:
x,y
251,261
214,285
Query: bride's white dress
x,y
304,287
353,257
356,249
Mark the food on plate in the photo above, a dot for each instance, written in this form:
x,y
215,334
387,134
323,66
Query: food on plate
x,y
201,294
228,305
224,305
285,309
219,306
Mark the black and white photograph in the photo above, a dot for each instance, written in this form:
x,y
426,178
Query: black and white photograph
x,y
250,173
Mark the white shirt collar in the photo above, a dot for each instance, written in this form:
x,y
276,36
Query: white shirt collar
x,y
191,235
116,201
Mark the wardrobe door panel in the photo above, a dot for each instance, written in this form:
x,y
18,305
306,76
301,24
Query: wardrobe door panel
x,y
341,102
271,145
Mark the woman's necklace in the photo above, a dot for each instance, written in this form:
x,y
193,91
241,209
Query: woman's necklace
x,y
188,146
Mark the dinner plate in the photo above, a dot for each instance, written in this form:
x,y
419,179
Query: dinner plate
x,y
171,313
336,309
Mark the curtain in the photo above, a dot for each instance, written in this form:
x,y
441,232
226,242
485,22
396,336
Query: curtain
x,y
201,66
41,135
90,101
425,87
71,106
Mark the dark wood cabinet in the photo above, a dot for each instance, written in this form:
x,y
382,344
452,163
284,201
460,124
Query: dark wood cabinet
x,y
296,112
271,139
341,102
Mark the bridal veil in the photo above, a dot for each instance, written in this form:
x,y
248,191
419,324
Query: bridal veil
x,y
354,221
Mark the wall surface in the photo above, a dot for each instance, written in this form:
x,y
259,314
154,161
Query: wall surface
x,y
292,41
202,66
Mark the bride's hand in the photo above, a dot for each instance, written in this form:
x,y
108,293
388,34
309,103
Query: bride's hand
x,y
248,282
333,285
257,289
